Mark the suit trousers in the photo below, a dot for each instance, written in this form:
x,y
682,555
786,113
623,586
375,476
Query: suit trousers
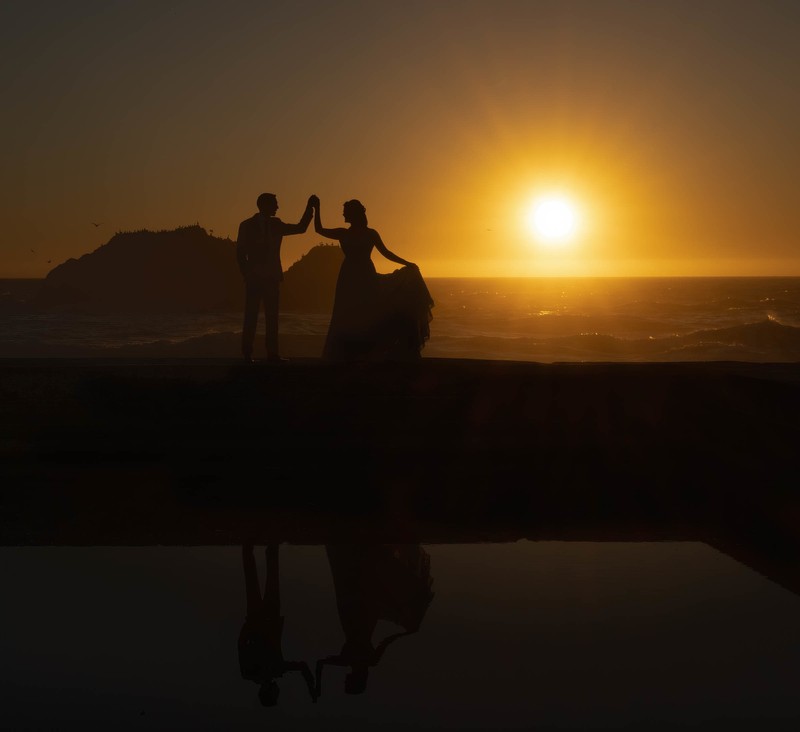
x,y
260,291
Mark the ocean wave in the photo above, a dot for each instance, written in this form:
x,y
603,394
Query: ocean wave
x,y
762,341
210,345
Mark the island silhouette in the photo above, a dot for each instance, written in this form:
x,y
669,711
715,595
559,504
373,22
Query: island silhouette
x,y
184,270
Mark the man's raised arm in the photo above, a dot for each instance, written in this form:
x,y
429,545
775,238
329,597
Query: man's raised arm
x,y
301,226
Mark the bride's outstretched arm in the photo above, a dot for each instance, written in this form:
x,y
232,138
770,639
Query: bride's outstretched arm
x,y
320,229
391,256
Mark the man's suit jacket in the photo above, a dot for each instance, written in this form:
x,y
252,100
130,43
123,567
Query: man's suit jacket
x,y
258,245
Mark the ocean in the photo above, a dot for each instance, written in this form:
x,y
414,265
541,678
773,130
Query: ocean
x,y
547,320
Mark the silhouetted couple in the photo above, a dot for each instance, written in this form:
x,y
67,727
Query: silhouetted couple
x,y
374,317
372,582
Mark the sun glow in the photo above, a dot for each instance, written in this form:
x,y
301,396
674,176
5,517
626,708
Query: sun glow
x,y
553,219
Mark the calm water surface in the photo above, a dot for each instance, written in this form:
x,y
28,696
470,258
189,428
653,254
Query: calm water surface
x,y
525,635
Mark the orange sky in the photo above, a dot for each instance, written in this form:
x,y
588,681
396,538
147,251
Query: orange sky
x,y
673,124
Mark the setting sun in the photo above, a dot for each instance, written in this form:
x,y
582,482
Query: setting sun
x,y
553,219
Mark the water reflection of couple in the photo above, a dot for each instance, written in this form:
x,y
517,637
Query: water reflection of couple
x,y
372,582
375,316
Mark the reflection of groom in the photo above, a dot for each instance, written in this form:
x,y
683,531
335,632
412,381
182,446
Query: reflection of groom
x,y
258,253
260,653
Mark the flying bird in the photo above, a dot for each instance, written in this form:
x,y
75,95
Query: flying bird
x,y
93,224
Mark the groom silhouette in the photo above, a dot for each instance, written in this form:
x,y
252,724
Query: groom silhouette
x,y
258,254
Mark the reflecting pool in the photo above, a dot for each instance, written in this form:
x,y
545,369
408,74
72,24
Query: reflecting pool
x,y
521,635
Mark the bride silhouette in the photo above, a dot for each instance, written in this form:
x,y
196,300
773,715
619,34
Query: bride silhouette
x,y
375,316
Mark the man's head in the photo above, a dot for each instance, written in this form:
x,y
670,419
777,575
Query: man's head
x,y
268,693
267,203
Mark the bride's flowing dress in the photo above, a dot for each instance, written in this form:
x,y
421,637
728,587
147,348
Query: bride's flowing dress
x,y
376,316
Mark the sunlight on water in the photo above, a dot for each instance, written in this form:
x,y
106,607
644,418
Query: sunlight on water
x,y
539,319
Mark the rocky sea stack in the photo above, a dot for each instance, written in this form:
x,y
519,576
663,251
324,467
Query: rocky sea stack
x,y
180,271
310,283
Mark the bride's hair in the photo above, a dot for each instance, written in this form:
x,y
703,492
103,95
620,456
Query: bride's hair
x,y
356,211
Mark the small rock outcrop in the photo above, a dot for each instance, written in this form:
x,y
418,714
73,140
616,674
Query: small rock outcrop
x,y
310,283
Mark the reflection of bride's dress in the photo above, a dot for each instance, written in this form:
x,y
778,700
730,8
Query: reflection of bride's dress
x,y
380,582
375,582
376,316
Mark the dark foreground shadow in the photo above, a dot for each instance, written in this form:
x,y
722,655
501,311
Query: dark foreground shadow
x,y
206,452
